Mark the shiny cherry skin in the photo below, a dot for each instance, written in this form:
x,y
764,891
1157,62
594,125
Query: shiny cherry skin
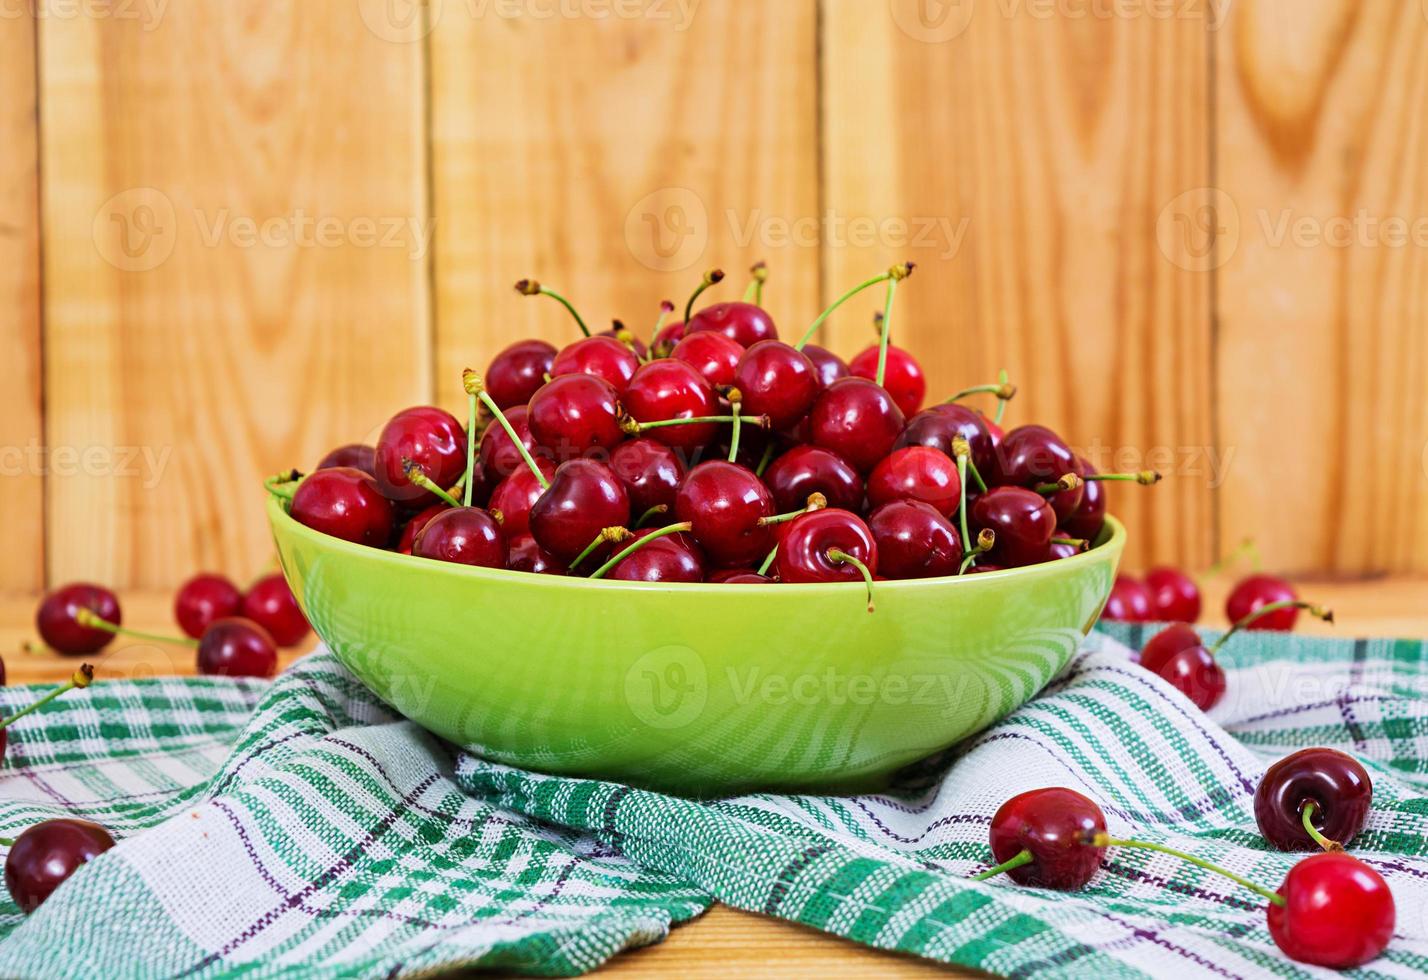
x,y
1338,912
204,598
517,372
1337,785
939,425
805,470
667,338
271,604
903,377
58,627
345,503
1260,590
1088,517
1165,644
672,558
497,456
524,555
712,354
465,536
431,438
914,540
743,323
1033,454
1174,596
803,554
651,472
1060,549
778,381
917,473
603,357
413,527
575,414
830,366
237,647
856,419
1130,601
1194,672
725,502
670,389
514,496
46,854
1052,824
1022,520
738,576
354,454
584,498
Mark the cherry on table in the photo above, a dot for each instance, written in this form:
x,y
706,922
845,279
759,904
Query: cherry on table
x,y
805,470
914,541
712,354
667,389
1261,590
514,496
345,503
1022,520
744,323
1165,644
574,414
902,376
354,454
60,629
1195,672
600,356
1039,838
271,604
45,855
725,504
1334,784
1130,601
204,598
1174,596
517,372
829,366
917,473
776,380
584,498
237,647
1338,912
465,536
429,438
857,419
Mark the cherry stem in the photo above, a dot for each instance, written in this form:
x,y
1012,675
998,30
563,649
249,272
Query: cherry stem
x,y
613,535
961,448
529,287
816,501
1022,857
472,402
754,293
1105,840
1327,615
620,556
634,427
7,842
1307,816
962,459
420,479
1002,402
474,385
1067,481
81,678
666,307
1077,543
986,540
279,485
1003,391
900,271
765,459
841,556
656,509
734,439
885,335
768,560
710,278
1144,477
90,620
1246,548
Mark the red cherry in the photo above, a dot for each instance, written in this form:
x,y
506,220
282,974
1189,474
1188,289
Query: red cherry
x,y
527,556
671,558
1194,672
464,535
584,498
778,381
917,473
1338,912
666,338
1174,596
1051,825
271,604
1335,783
902,376
355,455
575,414
1260,590
514,496
1130,601
600,356
724,503
1165,644
914,540
669,389
1088,517
712,354
651,472
856,419
808,551
939,425
518,372
830,366
1030,455
743,323
498,456
805,470
204,598
57,623
413,527
1022,520
428,437
237,647
346,504
46,854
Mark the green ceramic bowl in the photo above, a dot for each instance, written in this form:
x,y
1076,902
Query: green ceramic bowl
x,y
701,690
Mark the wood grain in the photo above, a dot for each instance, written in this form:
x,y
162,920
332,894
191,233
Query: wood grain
x,y
21,428
615,160
232,282
1323,353
1050,144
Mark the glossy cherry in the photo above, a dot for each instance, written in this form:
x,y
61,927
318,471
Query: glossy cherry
x,y
672,558
1334,783
584,498
237,647
1130,601
601,356
712,354
1260,590
1165,644
517,372
1039,838
917,473
724,504
651,472
914,540
856,419
413,526
1174,596
203,599
778,381
809,551
1337,912
55,619
429,438
744,323
805,470
902,376
1031,455
354,454
667,337
498,456
939,425
1088,517
465,536
345,503
669,389
45,855
271,604
575,414
524,555
514,496
1022,521
1194,672
830,366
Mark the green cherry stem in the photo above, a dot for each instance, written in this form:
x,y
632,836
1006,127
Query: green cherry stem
x,y
80,678
1106,840
611,535
1002,391
1145,478
7,842
1327,615
900,271
963,452
754,293
734,400
1245,549
529,287
1002,402
630,549
1016,861
633,427
710,278
764,460
1066,481
816,501
1307,816
88,619
885,334
843,558
420,479
283,485
768,560
472,400
653,511
986,541
474,385
666,307
1077,543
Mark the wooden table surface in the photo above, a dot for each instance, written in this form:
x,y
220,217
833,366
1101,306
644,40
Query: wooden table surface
x,y
724,941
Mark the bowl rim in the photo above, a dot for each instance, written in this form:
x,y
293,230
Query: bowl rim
x,y
1111,542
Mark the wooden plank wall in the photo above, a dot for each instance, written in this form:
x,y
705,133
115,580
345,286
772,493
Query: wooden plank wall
x,y
266,226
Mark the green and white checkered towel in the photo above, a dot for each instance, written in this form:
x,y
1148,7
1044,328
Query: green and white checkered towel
x,y
301,828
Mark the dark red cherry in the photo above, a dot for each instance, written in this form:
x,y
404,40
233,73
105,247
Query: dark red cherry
x,y
354,455
514,496
1088,517
902,377
575,414
413,527
346,504
672,558
464,535
271,604
1032,454
651,472
939,425
1051,825
830,366
204,598
667,338
1335,783
57,623
805,470
524,555
1338,912
1022,520
1165,644
1261,590
1194,672
917,473
725,502
1174,596
518,372
778,381
914,540
738,576
584,498
1130,601
427,437
601,356
237,647
46,854
498,456
743,323
712,354
857,420
670,389
806,553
